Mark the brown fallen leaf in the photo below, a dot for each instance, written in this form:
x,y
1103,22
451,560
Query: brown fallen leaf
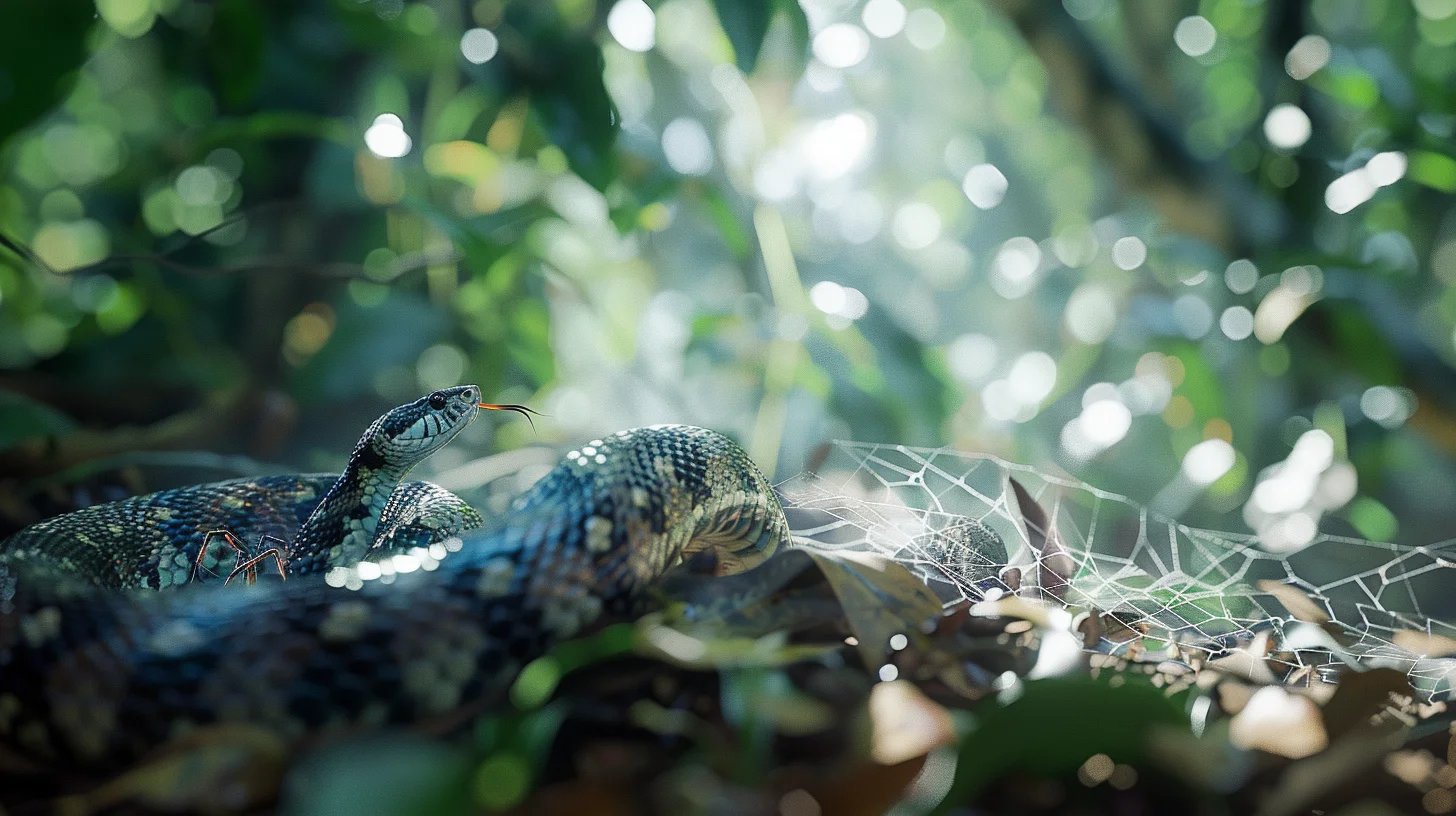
x,y
1363,696
214,769
1278,722
1299,604
1425,643
906,723
880,599
1055,566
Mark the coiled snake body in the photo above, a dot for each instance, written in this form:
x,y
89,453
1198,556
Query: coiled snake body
x,y
94,674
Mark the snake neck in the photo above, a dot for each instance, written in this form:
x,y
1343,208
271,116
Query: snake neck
x,y
343,526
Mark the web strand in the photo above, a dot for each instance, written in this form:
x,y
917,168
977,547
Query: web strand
x,y
1336,602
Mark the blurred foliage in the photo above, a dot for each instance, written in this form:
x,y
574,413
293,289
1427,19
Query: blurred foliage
x,y
1113,242
1159,245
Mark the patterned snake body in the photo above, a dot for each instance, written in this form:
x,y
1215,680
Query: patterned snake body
x,y
97,677
152,541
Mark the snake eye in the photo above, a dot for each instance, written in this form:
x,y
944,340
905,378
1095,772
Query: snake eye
x,y
437,400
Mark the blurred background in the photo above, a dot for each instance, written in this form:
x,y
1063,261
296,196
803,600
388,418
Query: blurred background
x,y
1199,253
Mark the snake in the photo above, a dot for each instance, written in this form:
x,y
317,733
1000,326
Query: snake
x,y
160,540
400,605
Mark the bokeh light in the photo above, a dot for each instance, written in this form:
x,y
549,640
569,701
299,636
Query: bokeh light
x,y
884,18
1287,127
842,45
386,137
1195,36
479,45
633,25
925,28
985,185
1309,54
687,147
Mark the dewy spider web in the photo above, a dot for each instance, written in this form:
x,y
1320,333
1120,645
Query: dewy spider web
x,y
1202,590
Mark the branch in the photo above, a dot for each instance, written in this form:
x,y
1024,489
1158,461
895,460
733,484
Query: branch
x,y
277,263
195,428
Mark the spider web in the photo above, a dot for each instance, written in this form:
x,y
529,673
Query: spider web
x,y
1178,591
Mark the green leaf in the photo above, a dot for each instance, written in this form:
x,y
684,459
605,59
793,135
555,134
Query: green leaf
x,y
280,124
403,775
365,340
530,343
1200,385
22,418
1055,725
42,43
1361,344
1434,170
515,746
560,71
730,227
798,28
1373,519
501,782
745,22
537,682
580,119
236,43
1351,86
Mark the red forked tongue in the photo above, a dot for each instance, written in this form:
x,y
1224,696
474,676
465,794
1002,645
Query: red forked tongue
x,y
520,409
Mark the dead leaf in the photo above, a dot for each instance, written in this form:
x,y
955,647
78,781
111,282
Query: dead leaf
x,y
214,769
1362,696
1296,601
866,790
718,651
880,599
1306,781
1278,722
1055,565
1425,643
906,723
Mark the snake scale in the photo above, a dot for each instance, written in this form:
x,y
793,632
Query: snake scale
x,y
98,668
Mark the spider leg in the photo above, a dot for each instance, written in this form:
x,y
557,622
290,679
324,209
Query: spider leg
x,y
250,566
227,537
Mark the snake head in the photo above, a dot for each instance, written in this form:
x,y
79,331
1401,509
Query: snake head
x,y
415,430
